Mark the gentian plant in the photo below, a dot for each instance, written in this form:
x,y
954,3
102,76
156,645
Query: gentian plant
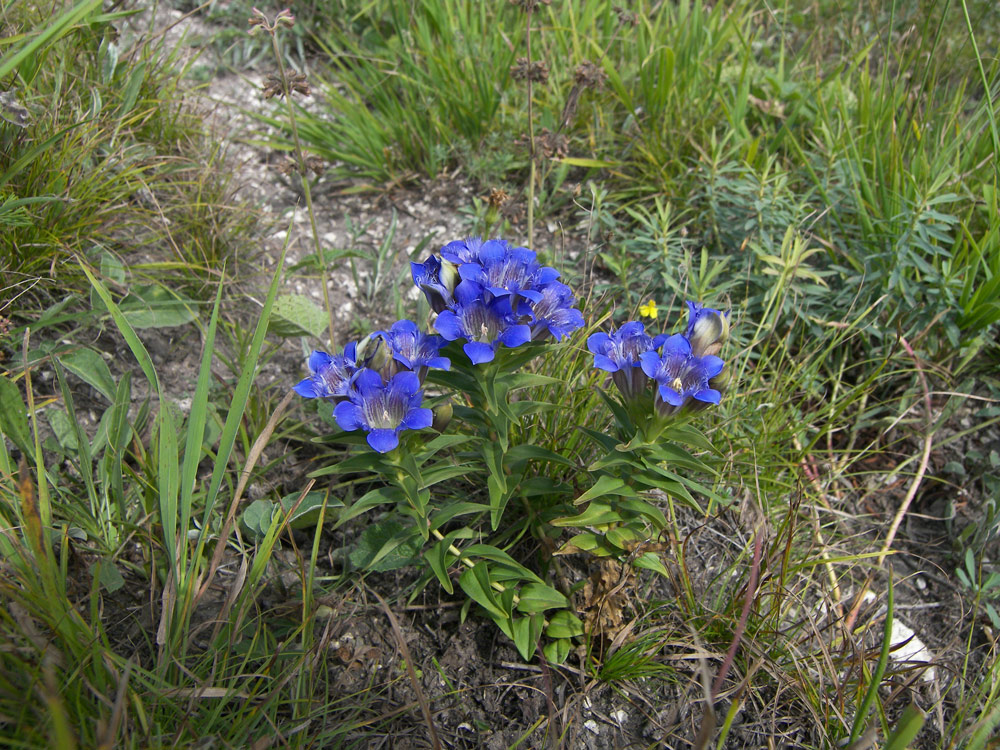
x,y
496,351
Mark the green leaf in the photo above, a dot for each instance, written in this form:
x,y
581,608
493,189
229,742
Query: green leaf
x,y
907,728
155,306
368,501
475,582
256,518
307,513
533,452
91,368
440,558
108,575
557,651
490,552
651,561
297,315
605,485
564,624
538,597
385,546
527,631
596,514
576,161
62,427
14,415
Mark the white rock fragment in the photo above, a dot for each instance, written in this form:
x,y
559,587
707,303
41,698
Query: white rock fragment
x,y
620,716
592,726
906,647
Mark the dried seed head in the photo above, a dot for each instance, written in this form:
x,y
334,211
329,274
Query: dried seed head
x,y
590,75
626,17
497,198
529,5
536,72
547,144
297,84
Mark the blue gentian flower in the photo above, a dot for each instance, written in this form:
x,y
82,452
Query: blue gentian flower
x,y
508,271
436,278
680,375
554,313
707,329
485,325
467,250
413,350
383,409
619,353
331,375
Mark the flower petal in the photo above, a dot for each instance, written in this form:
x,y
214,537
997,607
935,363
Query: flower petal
x,y
418,419
449,326
349,416
318,360
515,336
708,395
383,441
308,388
479,352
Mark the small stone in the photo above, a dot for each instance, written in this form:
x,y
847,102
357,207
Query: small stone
x,y
592,726
620,716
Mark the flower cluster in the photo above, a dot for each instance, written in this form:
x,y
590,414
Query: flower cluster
x,y
377,384
684,367
490,294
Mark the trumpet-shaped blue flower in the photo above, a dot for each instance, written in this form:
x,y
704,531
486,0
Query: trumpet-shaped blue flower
x,y
436,278
331,376
484,324
413,349
467,250
383,409
619,353
554,314
508,271
680,375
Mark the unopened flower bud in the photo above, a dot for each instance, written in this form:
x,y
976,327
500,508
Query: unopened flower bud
x,y
374,354
442,416
707,330
722,381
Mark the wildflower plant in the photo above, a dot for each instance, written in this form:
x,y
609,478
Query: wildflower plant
x,y
502,323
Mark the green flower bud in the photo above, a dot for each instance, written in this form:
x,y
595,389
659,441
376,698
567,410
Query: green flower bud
x,y
442,416
707,330
372,352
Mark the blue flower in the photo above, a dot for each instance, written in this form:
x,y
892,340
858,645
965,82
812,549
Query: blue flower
x,y
707,329
383,410
437,280
465,251
619,353
413,349
554,314
331,375
508,271
681,375
485,325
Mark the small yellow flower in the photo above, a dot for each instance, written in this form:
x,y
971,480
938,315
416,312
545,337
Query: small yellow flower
x,y
649,310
